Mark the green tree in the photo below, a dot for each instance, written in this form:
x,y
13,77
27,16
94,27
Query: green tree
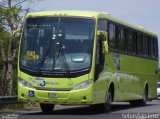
x,y
11,19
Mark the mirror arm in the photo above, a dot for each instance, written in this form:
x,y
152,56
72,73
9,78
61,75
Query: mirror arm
x,y
17,31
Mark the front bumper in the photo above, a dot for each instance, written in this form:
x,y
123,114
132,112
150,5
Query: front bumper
x,y
82,96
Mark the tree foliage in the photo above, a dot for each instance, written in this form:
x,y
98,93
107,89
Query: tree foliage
x,y
12,15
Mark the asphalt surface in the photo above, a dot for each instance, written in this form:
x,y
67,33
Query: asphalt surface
x,y
118,111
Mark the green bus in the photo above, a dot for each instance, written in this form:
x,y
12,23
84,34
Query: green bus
x,y
85,57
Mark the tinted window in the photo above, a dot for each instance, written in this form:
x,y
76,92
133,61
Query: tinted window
x,y
134,40
139,44
112,34
121,39
47,47
150,46
130,42
145,46
155,45
102,24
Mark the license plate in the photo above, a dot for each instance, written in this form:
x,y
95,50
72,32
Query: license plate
x,y
53,95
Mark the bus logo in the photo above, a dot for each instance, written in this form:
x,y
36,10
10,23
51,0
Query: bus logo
x,y
43,83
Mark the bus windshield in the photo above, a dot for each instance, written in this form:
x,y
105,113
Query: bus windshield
x,y
57,44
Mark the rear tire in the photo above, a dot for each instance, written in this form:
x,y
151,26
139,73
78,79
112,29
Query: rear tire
x,y
47,108
145,97
141,102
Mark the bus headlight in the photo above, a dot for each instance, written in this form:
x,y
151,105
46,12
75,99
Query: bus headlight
x,y
83,85
24,83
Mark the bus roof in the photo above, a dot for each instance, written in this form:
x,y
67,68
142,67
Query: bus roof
x,y
91,14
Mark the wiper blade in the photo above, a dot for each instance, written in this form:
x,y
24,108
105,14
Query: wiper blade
x,y
44,56
62,54
47,52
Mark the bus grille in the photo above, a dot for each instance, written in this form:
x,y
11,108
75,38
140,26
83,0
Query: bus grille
x,y
53,89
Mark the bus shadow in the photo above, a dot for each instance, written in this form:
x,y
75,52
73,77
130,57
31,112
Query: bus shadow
x,y
89,110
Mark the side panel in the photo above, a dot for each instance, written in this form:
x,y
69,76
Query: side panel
x,y
129,75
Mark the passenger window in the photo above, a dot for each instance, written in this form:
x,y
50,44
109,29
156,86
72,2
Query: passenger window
x,y
130,43
121,39
155,45
150,46
135,41
112,35
139,44
145,46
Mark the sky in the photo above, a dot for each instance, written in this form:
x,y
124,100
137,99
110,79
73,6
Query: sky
x,y
144,13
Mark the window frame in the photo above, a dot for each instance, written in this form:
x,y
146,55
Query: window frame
x,y
99,27
137,35
121,40
115,37
133,47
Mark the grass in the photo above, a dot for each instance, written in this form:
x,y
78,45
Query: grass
x,y
18,106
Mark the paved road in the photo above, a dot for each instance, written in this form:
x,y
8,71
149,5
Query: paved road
x,y
119,111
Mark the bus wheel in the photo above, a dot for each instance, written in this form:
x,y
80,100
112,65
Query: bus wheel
x,y
47,108
144,100
141,102
107,104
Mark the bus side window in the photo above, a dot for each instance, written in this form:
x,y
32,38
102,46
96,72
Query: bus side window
x,y
139,44
130,42
145,46
150,47
155,46
121,40
135,41
153,50
112,37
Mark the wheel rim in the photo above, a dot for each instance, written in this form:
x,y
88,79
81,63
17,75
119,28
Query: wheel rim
x,y
109,98
145,96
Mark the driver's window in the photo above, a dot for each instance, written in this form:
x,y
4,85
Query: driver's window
x,y
102,25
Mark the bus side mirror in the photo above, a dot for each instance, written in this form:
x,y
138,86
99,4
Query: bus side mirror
x,y
16,35
103,37
105,47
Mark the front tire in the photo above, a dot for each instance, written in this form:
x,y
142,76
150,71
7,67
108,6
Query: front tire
x,y
105,107
107,104
47,108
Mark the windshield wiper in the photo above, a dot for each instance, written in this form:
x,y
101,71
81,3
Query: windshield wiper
x,y
47,51
61,54
44,56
